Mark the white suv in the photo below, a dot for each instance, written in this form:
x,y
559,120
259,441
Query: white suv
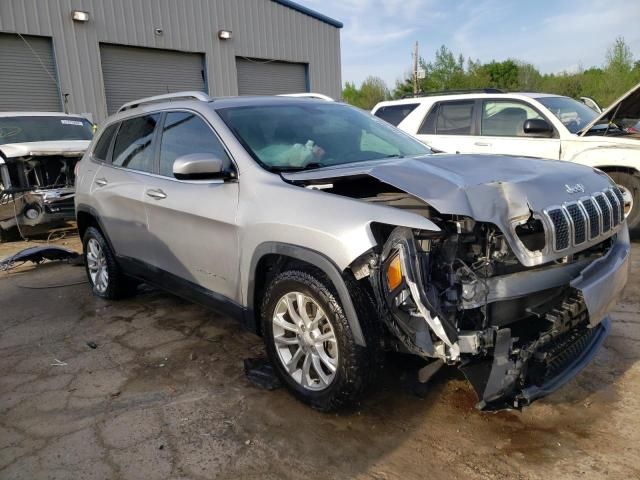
x,y
532,124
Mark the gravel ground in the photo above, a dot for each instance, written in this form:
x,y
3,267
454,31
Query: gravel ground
x,y
164,396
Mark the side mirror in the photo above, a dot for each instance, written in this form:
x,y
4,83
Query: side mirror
x,y
537,127
199,166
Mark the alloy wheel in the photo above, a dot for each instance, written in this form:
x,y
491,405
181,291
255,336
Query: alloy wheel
x,y
97,265
305,341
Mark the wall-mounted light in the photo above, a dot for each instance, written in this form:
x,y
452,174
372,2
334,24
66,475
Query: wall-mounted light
x,y
158,31
80,16
224,34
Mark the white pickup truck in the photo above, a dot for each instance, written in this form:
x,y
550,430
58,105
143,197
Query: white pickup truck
x,y
532,124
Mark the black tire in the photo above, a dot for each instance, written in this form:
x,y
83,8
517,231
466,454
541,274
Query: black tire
x,y
632,184
118,284
357,366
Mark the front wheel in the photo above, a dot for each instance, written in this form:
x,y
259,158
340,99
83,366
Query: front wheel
x,y
104,274
310,343
630,186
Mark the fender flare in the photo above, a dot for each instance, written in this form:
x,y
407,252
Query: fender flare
x,y
94,213
319,261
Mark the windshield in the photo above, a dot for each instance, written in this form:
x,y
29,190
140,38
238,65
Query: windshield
x,y
42,129
573,114
312,135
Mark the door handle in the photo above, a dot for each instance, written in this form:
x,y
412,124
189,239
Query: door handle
x,y
156,194
482,144
101,182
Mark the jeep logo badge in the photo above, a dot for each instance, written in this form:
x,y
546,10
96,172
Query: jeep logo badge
x,y
577,188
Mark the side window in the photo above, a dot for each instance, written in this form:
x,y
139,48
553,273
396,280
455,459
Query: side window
x,y
101,150
184,133
505,118
394,114
428,126
133,146
455,118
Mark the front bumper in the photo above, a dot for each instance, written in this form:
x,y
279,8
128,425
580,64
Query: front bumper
x,y
37,208
517,374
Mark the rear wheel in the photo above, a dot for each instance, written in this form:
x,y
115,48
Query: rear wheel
x,y
630,186
104,274
310,343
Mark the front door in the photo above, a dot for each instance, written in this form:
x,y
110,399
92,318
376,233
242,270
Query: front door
x,y
193,222
501,131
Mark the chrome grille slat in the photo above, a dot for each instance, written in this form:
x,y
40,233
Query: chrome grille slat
x,y
579,223
615,207
620,197
575,223
605,212
594,218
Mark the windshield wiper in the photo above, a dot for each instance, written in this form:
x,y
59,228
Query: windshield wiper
x,y
291,168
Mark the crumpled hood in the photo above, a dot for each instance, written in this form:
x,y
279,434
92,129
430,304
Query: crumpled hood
x,y
71,148
489,188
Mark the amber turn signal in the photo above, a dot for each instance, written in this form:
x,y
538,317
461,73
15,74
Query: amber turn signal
x,y
394,273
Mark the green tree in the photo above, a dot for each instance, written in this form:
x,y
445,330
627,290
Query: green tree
x,y
372,91
503,74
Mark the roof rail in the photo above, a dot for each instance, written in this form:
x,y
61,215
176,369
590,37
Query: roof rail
x,y
454,92
167,97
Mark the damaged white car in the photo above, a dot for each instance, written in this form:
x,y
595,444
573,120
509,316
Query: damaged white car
x,y
336,236
38,155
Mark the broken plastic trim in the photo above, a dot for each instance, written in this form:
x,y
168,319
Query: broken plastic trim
x,y
402,242
37,255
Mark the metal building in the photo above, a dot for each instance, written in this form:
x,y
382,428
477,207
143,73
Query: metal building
x,y
91,56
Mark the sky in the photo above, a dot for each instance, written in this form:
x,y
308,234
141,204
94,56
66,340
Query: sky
x,y
555,36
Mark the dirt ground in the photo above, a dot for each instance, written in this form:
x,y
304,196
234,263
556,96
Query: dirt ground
x,y
164,396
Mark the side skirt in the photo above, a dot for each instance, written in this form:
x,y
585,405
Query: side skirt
x,y
183,288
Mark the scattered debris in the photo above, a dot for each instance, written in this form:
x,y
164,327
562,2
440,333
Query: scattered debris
x,y
161,447
261,373
93,345
193,356
58,363
248,442
116,394
37,255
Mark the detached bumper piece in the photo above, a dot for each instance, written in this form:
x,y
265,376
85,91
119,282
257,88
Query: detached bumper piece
x,y
520,372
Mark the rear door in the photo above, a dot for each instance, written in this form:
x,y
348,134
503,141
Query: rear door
x,y
119,185
501,130
449,126
193,222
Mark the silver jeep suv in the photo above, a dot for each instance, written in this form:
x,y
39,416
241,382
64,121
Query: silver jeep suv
x,y
337,237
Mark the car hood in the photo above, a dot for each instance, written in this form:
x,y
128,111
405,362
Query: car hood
x,y
627,106
71,148
490,188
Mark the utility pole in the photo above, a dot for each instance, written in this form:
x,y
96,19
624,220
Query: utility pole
x,y
415,69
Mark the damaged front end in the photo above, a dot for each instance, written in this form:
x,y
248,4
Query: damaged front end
x,y
517,333
514,286
37,189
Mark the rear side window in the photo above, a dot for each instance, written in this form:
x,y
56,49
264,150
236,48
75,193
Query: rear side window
x,y
394,114
184,133
101,150
132,148
451,118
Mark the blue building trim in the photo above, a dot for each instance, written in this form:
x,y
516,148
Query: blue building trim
x,y
311,13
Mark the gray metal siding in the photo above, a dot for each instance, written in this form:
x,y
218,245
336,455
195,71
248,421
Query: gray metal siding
x,y
261,29
28,78
259,77
132,72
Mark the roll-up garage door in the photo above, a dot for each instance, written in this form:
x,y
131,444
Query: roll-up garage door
x,y
260,77
131,73
28,79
